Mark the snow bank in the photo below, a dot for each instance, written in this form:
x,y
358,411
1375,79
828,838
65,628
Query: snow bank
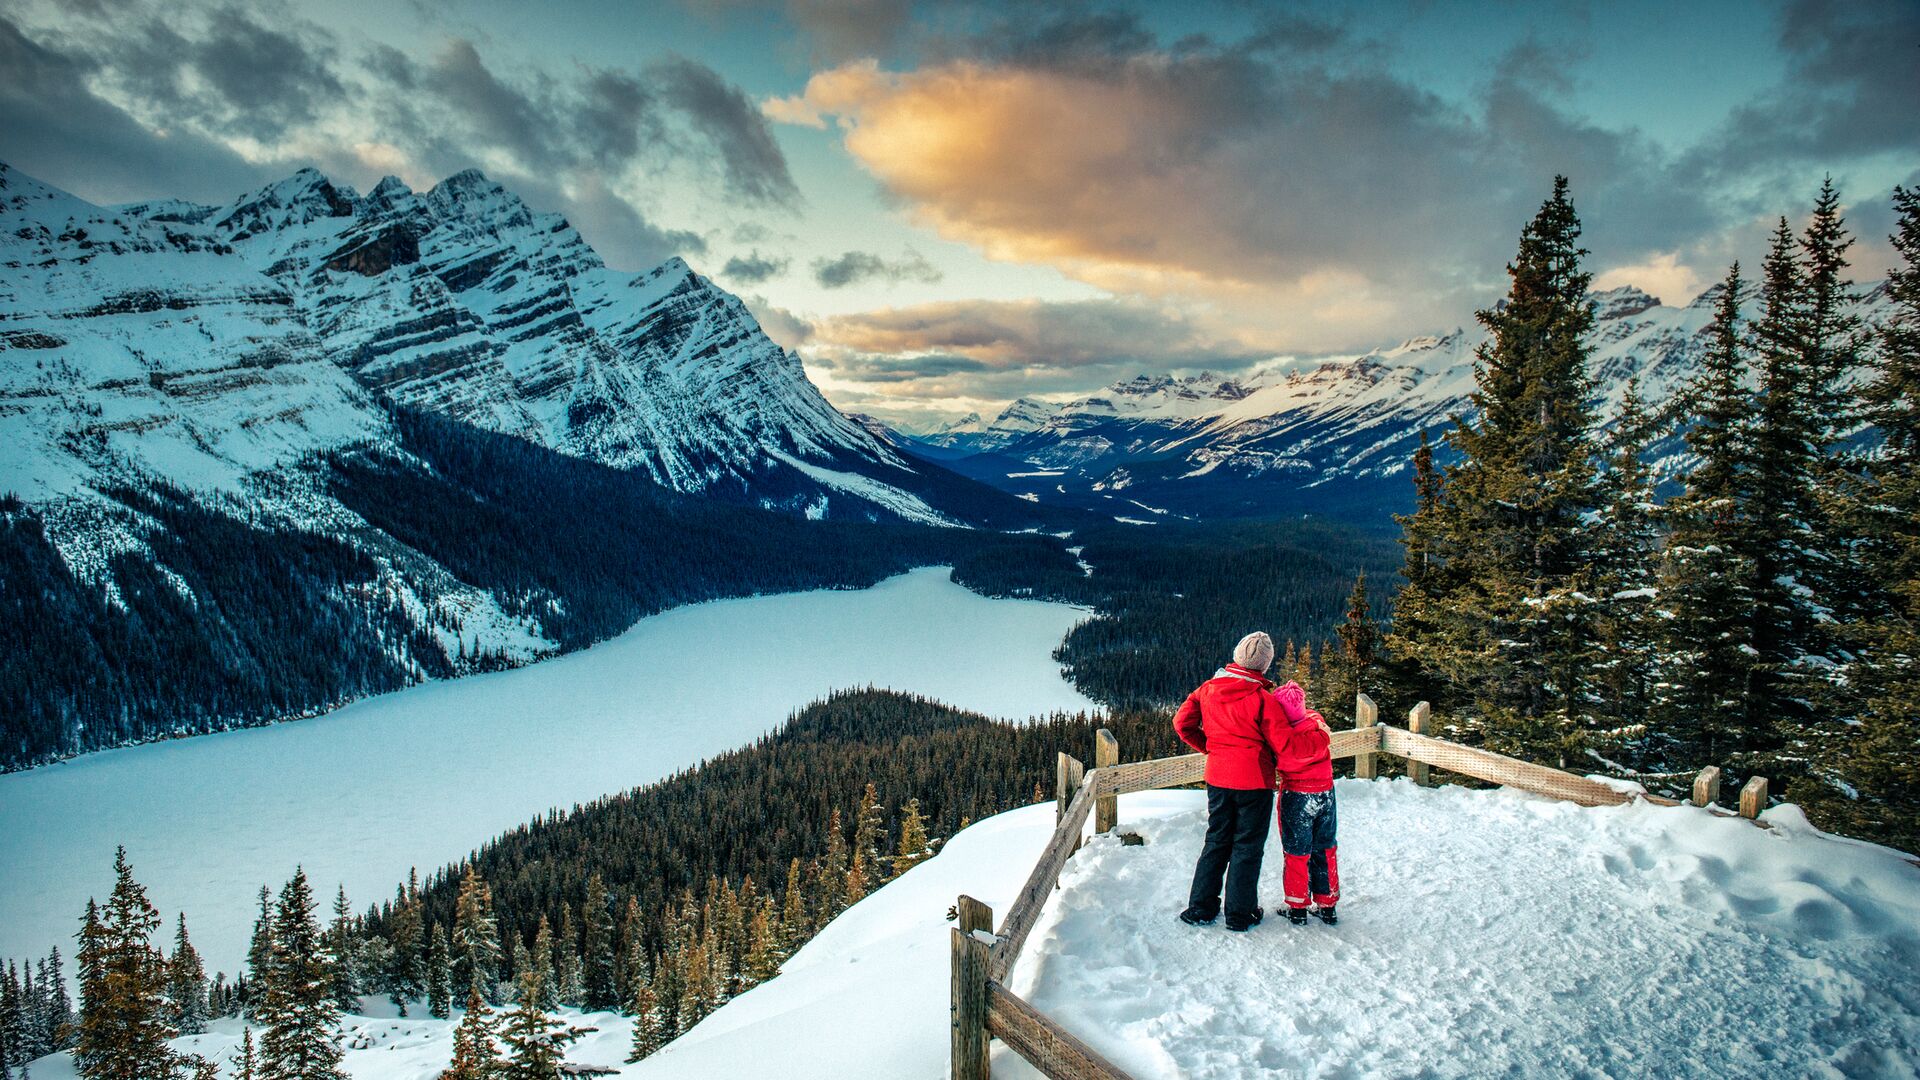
x,y
1488,933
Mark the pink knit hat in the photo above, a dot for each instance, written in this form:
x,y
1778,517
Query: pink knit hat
x,y
1255,651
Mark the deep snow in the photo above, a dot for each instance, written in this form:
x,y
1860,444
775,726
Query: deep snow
x,y
422,776
1482,933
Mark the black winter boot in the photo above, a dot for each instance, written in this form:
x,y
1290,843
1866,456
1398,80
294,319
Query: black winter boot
x,y
1246,922
1196,917
1326,915
1297,916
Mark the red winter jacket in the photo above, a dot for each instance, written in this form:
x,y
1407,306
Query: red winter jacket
x,y
1234,720
1301,752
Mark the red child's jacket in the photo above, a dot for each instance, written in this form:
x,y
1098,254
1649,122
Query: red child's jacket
x,y
1234,720
1301,752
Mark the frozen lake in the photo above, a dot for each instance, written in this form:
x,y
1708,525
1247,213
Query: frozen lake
x,y
422,776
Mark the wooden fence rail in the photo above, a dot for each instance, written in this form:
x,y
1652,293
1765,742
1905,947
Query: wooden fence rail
x,y
982,1008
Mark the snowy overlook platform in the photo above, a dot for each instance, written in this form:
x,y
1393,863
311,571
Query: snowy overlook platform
x,y
1482,932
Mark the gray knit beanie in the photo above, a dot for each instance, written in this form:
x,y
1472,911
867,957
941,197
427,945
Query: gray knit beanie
x,y
1255,652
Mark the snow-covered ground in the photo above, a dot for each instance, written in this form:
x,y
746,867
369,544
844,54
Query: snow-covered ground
x,y
1482,933
422,776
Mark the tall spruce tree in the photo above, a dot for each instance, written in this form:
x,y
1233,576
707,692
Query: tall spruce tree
x,y
476,1053
340,938
1705,698
187,983
406,976
1875,791
598,947
1422,605
1514,643
123,1007
914,847
300,1040
260,956
1625,546
536,1044
439,974
476,937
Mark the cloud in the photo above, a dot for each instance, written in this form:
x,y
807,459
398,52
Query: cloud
x,y
53,126
986,349
1853,76
1325,203
754,268
204,101
753,165
856,267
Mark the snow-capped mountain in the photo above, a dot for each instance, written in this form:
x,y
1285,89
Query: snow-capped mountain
x,y
261,458
972,435
1333,438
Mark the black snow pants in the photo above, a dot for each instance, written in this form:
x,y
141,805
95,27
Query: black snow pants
x,y
1237,824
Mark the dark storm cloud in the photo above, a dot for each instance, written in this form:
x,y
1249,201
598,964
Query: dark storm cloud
x,y
752,164
53,127
1852,88
856,267
142,101
754,268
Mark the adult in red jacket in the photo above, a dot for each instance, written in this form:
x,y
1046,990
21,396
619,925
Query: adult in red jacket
x,y
1234,719
1307,819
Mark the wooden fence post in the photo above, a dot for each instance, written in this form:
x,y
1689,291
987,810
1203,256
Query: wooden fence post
x,y
1418,719
1706,786
1106,753
1753,797
1365,715
968,1009
1066,781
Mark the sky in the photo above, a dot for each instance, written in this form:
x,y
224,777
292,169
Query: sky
x,y
944,206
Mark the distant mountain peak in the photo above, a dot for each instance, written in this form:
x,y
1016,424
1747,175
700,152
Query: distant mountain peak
x,y
1622,302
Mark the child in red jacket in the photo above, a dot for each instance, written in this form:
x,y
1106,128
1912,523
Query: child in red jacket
x,y
1305,769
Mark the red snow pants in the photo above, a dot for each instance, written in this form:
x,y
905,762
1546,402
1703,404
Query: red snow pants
x,y
1307,824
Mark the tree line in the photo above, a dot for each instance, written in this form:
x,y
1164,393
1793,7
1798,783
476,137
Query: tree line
x,y
1764,617
660,903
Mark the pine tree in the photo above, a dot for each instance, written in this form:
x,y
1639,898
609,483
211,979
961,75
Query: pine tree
x,y
406,963
60,1018
794,926
246,1065
1705,701
569,977
869,827
13,1020
260,954
644,1007
439,974
1874,792
187,984
476,937
346,991
598,948
123,1008
633,934
1422,604
832,879
914,847
1512,641
763,944
535,1042
536,967
300,1041
476,1055
1625,544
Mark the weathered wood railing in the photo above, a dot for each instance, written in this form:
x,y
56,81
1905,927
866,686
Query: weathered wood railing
x,y
983,1009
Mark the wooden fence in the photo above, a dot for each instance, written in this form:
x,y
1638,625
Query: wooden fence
x,y
983,1009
